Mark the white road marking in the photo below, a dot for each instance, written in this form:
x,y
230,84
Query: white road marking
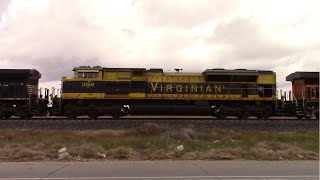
x,y
164,177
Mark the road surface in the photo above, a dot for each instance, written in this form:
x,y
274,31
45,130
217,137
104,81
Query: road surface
x,y
160,170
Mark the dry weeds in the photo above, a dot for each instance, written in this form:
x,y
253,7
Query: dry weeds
x,y
153,142
149,129
122,153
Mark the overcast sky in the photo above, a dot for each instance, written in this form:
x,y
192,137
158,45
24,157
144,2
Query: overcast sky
x,y
53,36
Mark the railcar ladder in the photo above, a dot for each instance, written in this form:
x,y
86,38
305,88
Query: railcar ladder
x,y
33,106
56,106
299,109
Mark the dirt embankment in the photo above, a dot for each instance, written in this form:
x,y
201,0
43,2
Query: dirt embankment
x,y
153,142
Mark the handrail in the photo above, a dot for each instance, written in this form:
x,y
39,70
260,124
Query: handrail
x,y
302,98
294,98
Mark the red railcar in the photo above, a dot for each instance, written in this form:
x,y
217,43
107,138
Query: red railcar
x,y
305,92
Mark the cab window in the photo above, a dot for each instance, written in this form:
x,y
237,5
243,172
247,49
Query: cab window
x,y
87,74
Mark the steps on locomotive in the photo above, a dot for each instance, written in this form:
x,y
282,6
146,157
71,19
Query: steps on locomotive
x,y
299,110
55,109
34,106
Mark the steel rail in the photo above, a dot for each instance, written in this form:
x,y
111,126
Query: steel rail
x,y
128,123
153,118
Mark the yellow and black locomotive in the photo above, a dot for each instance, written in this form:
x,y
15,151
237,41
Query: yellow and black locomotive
x,y
97,91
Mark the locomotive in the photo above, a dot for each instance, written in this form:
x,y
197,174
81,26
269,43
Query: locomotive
x,y
305,88
19,93
97,91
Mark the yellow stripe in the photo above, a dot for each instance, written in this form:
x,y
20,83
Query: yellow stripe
x,y
165,96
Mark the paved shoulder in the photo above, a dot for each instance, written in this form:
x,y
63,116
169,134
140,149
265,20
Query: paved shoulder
x,y
161,170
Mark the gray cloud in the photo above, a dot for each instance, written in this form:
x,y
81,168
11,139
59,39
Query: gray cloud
x,y
4,5
183,14
244,39
244,44
191,35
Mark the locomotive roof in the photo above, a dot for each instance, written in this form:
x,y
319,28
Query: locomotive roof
x,y
207,71
87,68
124,69
21,72
107,69
218,70
302,75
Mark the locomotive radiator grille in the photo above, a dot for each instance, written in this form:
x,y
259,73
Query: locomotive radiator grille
x,y
32,89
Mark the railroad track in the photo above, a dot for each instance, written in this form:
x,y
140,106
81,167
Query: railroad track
x,y
151,118
272,124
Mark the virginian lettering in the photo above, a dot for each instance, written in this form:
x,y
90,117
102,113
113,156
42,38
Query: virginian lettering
x,y
206,88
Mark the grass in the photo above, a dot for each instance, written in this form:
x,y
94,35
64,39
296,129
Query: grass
x,y
154,142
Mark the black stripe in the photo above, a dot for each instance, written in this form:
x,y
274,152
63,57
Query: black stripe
x,y
120,87
115,87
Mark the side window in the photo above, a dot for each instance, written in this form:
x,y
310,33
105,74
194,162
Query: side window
x,y
80,75
87,74
92,75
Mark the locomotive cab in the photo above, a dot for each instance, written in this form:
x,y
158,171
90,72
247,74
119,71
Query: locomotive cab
x,y
305,92
88,72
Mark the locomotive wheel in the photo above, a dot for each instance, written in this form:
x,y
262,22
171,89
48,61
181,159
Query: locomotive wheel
x,y
115,116
265,116
7,116
243,115
299,116
28,116
221,116
95,116
71,116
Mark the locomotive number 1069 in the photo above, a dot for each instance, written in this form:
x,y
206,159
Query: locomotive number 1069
x,y
87,84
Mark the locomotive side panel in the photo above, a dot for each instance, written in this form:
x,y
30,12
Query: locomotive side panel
x,y
213,85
